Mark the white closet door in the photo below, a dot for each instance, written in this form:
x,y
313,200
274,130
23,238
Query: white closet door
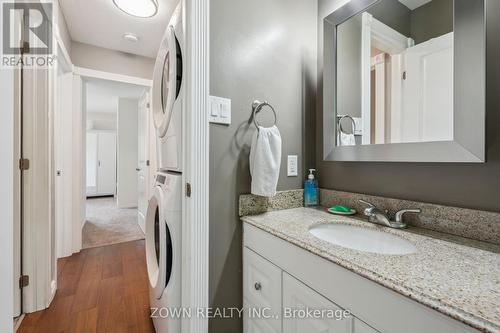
x,y
91,162
106,165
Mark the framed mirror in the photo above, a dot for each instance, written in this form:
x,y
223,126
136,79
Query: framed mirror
x,y
405,81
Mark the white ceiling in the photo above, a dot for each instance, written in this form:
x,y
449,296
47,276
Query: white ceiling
x,y
101,23
412,4
103,95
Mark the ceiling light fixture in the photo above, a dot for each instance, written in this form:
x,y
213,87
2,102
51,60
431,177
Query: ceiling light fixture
x,y
138,8
130,37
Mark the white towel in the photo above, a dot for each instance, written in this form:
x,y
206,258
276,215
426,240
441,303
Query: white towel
x,y
344,139
265,161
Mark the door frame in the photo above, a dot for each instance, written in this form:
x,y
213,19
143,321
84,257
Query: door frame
x,y
195,211
63,234
7,213
387,40
80,75
150,148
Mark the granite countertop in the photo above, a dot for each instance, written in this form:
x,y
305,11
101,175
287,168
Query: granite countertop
x,y
460,281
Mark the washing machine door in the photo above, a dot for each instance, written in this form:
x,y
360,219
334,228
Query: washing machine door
x,y
158,244
167,79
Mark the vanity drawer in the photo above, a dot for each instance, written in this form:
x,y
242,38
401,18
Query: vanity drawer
x,y
299,298
261,292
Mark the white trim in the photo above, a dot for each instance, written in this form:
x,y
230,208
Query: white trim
x,y
66,59
78,195
53,289
18,321
387,39
196,161
396,98
7,171
366,77
378,64
92,73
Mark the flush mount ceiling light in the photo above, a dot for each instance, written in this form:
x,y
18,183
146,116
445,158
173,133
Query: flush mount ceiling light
x,y
131,37
138,8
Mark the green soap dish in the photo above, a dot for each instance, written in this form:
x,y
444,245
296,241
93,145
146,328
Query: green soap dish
x,y
341,210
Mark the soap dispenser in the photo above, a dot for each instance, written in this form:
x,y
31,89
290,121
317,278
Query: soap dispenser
x,y
311,191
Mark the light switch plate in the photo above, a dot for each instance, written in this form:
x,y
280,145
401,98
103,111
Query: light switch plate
x,y
220,110
292,166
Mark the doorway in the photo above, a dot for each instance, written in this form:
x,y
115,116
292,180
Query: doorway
x,y
116,161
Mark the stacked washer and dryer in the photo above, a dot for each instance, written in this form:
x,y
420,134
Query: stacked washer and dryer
x,y
164,215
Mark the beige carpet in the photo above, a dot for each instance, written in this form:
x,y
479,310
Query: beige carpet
x,y
107,224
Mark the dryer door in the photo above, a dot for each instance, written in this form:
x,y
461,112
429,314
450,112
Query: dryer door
x,y
167,80
158,244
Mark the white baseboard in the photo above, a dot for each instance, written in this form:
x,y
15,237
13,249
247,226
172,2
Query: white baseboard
x,y
18,321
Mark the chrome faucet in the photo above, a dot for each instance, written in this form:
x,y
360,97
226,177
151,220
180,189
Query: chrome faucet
x,y
378,216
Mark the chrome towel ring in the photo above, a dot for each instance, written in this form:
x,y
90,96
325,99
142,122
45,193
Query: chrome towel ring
x,y
257,107
339,125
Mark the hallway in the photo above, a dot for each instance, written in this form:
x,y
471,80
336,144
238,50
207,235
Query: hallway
x,y
102,289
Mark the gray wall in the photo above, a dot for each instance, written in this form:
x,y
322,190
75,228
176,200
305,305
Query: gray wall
x,y
98,58
394,14
432,20
463,185
349,40
260,49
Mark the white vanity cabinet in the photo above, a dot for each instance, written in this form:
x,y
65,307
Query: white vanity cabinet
x,y
279,276
277,302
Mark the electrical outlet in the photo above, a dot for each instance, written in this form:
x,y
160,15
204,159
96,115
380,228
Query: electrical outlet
x,y
292,166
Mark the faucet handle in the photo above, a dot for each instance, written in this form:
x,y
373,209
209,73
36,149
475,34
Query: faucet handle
x,y
399,214
369,204
368,211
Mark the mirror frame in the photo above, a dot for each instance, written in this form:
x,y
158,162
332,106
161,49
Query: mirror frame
x,y
469,114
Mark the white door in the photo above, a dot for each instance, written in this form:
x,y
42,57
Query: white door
x,y
63,146
427,113
142,160
297,297
91,163
106,163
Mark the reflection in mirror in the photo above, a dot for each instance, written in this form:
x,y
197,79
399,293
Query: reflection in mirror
x,y
395,74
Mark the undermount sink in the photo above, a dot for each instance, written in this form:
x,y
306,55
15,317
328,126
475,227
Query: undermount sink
x,y
362,239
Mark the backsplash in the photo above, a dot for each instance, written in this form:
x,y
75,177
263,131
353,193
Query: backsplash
x,y
469,223
253,204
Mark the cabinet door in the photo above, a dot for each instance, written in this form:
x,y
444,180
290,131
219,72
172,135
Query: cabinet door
x,y
106,165
298,303
261,294
361,327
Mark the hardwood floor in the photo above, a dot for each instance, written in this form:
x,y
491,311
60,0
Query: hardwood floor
x,y
103,289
